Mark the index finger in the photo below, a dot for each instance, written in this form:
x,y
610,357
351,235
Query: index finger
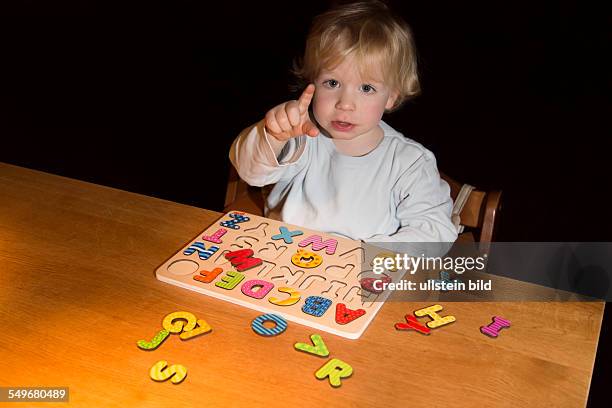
x,y
306,98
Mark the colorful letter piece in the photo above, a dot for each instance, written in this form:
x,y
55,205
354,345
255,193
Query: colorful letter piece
x,y
155,342
316,305
345,315
437,319
158,373
265,288
243,259
319,348
305,259
199,247
216,237
201,328
492,330
237,218
294,297
179,325
318,244
259,328
412,324
286,235
185,323
230,280
335,369
368,284
208,276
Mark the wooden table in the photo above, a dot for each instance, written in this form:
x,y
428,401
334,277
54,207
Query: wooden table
x,y
77,290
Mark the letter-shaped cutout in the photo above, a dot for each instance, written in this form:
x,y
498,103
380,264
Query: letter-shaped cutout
x,y
335,369
318,244
230,280
258,231
243,259
294,297
158,373
264,288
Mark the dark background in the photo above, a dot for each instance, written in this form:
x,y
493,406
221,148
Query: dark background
x,y
148,97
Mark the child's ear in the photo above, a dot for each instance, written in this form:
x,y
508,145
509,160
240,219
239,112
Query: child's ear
x,y
391,100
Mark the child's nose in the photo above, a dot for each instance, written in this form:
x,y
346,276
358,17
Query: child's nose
x,y
345,102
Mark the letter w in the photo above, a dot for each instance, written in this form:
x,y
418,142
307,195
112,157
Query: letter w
x,y
243,259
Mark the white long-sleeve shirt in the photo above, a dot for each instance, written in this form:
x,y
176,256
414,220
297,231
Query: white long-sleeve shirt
x,y
392,194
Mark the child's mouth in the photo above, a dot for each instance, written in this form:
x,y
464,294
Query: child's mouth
x,y
342,126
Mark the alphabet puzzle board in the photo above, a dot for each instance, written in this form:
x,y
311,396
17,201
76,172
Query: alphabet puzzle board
x,y
305,276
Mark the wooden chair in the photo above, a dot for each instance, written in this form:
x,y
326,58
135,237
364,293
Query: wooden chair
x,y
239,196
478,216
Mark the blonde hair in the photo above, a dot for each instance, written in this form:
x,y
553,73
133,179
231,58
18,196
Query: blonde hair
x,y
374,35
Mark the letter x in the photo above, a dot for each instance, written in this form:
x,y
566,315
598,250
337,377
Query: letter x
x,y
286,235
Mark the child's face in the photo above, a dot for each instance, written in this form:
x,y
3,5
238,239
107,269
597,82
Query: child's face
x,y
348,106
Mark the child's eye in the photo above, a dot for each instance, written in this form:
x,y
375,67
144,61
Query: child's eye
x,y
332,83
365,88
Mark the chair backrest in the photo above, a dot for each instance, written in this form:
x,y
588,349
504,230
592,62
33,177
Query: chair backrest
x,y
242,197
479,214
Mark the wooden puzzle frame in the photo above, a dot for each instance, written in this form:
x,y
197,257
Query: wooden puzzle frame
x,y
326,297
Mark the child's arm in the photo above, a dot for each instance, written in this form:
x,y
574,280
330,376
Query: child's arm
x,y
424,208
268,150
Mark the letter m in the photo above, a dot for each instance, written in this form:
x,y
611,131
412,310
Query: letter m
x,y
318,244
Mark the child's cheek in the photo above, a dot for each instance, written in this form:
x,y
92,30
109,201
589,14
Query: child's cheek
x,y
373,112
318,107
317,100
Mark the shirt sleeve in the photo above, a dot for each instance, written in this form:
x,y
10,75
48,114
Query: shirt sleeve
x,y
255,161
424,208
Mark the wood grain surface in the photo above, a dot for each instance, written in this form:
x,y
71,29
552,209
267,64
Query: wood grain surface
x,y
77,290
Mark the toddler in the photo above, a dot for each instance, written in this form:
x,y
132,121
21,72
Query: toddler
x,y
335,165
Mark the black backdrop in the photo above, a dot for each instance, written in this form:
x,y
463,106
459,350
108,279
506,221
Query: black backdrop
x,y
148,97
